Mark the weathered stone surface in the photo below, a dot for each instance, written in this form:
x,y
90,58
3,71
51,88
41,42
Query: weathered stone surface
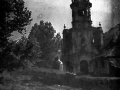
x,y
82,41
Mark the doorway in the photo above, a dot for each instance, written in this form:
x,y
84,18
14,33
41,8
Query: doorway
x,y
84,66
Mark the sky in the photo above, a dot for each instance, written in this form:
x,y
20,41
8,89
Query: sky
x,y
58,12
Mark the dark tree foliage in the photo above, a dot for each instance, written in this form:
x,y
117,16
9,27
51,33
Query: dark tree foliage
x,y
36,51
14,16
44,35
22,50
110,44
117,45
114,43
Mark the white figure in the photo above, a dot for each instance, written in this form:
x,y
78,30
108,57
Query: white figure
x,y
60,62
61,65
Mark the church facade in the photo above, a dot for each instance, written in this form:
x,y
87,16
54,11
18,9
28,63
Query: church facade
x,y
82,42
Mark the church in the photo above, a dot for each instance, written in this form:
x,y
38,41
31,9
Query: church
x,y
82,42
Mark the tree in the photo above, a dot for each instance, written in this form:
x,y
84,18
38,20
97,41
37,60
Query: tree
x,y
44,35
36,50
22,50
117,45
14,17
57,42
114,42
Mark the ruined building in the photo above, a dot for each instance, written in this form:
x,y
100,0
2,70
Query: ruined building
x,y
82,42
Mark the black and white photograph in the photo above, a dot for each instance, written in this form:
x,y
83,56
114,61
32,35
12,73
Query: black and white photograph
x,y
59,44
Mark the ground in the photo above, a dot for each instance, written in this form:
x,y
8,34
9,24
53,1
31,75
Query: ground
x,y
29,79
51,79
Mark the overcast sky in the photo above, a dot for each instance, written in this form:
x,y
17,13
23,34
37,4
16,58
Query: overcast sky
x,y
58,12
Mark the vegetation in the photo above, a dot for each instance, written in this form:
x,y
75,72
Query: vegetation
x,y
117,44
51,79
45,41
42,42
21,51
113,42
14,17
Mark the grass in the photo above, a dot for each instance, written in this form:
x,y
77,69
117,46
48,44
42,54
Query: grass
x,y
50,79
32,79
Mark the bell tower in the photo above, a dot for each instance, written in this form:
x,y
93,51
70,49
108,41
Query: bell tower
x,y
82,42
81,16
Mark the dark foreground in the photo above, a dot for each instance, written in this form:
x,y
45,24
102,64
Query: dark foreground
x,y
49,79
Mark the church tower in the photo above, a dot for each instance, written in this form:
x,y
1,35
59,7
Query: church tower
x,y
81,16
82,42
